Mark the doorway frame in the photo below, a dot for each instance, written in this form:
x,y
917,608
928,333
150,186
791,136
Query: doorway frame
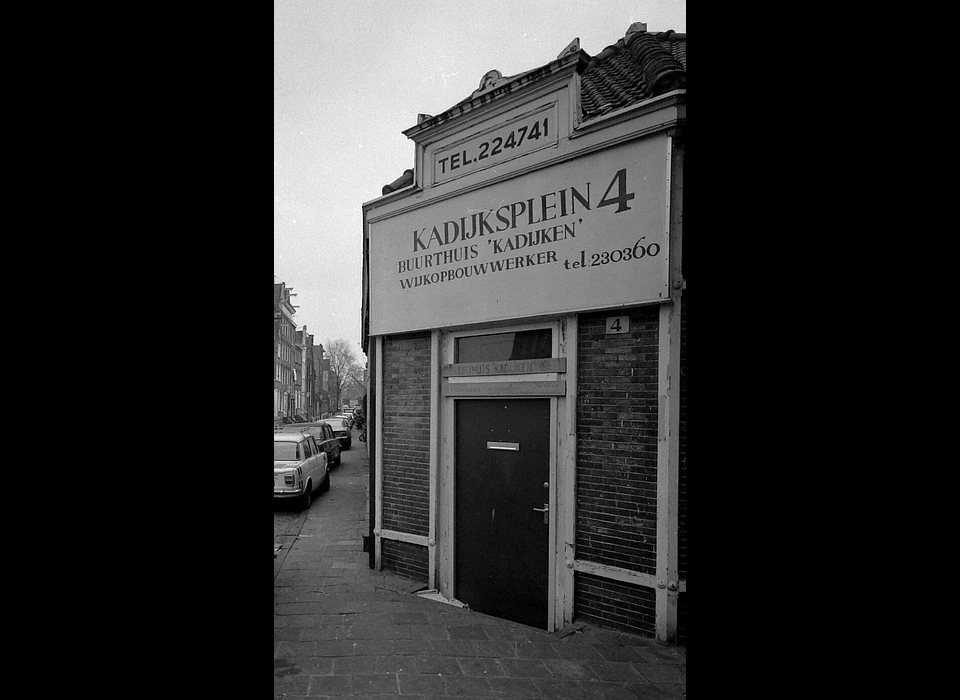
x,y
553,385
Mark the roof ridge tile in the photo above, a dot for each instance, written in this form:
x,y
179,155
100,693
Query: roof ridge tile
x,y
663,72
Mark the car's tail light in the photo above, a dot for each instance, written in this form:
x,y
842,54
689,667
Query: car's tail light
x,y
288,479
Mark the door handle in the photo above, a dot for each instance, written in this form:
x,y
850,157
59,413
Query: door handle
x,y
546,512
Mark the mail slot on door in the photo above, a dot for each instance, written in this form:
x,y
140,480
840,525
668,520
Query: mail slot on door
x,y
514,446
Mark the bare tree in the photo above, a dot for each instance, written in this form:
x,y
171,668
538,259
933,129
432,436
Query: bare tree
x,y
355,378
342,364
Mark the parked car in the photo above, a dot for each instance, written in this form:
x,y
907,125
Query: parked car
x,y
341,430
347,417
299,467
323,434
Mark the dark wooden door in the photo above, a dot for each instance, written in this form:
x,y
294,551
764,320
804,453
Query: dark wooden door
x,y
502,469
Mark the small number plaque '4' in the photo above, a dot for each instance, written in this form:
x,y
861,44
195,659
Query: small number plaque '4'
x,y
618,324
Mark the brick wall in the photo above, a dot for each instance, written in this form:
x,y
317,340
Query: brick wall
x,y
404,559
615,604
616,497
616,493
406,446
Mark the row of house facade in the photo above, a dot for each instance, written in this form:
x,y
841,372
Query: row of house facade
x,y
301,373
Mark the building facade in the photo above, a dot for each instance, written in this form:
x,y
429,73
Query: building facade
x,y
299,374
524,321
314,378
286,353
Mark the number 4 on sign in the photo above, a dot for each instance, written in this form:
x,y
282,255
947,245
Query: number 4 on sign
x,y
618,324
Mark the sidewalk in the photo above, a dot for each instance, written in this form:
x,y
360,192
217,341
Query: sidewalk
x,y
342,629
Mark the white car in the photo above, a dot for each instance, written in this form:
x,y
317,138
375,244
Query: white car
x,y
299,467
348,418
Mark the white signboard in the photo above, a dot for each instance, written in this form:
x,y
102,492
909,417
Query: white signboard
x,y
586,234
520,136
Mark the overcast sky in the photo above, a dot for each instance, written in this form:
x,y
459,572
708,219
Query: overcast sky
x,y
350,76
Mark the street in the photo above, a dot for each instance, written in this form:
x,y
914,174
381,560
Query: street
x,y
288,519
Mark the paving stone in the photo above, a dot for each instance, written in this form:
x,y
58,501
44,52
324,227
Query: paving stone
x,y
316,634
438,665
349,665
618,652
305,620
596,636
615,670
525,668
470,685
664,655
560,689
287,649
297,684
386,647
537,635
395,664
607,690
302,608
579,652
363,619
408,618
430,685
443,615
536,650
285,667
481,667
656,691
316,665
568,668
500,650
287,634
451,647
506,633
467,632
330,686
515,687
662,673
384,683
386,631
426,631
333,648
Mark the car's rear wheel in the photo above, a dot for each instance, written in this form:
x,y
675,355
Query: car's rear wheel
x,y
307,498
325,486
